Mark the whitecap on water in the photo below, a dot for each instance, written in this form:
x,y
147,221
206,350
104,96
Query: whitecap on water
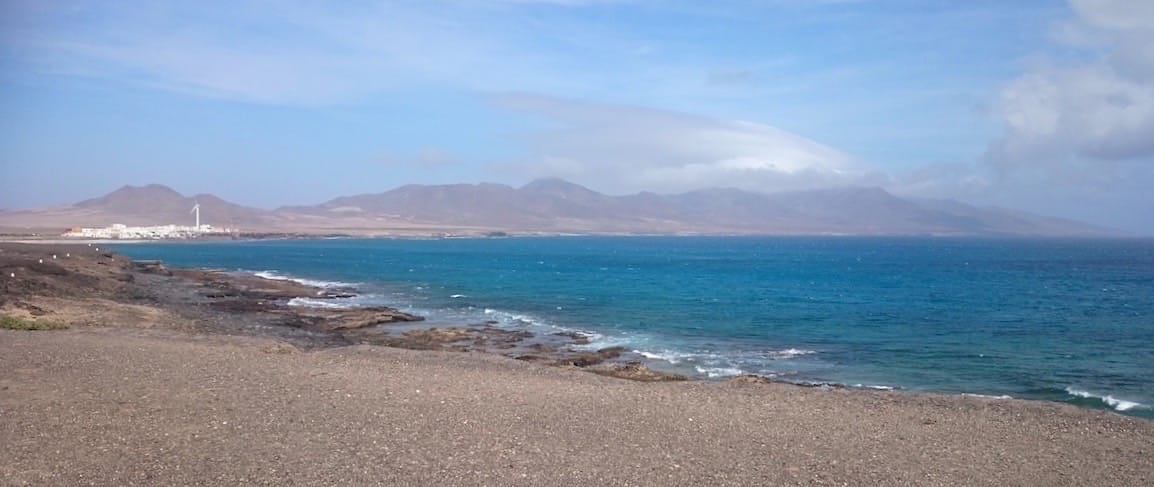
x,y
789,353
670,356
507,318
1109,400
276,276
874,387
715,372
985,396
320,303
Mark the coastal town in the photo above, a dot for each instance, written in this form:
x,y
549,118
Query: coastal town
x,y
119,231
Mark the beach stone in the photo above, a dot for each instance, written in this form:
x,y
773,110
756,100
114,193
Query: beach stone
x,y
351,319
751,379
578,338
586,359
637,371
280,348
151,267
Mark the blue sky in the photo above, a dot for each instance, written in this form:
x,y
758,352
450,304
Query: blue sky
x,y
1046,106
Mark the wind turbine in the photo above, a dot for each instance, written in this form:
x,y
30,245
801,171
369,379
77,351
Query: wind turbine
x,y
196,209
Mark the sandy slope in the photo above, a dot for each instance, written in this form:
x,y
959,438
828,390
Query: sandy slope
x,y
133,406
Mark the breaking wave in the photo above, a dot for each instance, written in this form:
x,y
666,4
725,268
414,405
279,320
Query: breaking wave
x,y
322,303
1111,401
716,372
789,353
276,276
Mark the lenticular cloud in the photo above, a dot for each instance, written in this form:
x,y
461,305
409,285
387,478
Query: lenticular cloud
x,y
630,149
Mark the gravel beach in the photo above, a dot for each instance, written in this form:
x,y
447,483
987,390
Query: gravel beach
x,y
142,393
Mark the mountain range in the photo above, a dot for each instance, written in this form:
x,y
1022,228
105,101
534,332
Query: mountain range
x,y
555,206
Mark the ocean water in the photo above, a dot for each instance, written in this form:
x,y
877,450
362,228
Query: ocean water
x,y
1060,320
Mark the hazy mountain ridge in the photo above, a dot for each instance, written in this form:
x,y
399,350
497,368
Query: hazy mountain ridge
x,y
558,206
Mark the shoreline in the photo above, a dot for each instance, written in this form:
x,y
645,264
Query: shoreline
x,y
608,350
274,236
266,302
159,382
218,300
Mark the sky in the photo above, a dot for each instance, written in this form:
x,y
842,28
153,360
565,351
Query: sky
x,y
1043,106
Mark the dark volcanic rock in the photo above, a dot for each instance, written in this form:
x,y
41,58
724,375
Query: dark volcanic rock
x,y
151,267
751,379
356,318
420,339
242,305
637,371
585,359
578,338
73,271
499,338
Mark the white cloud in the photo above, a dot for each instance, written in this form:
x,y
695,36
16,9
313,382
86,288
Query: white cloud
x,y
1115,15
1091,113
1097,111
1078,134
627,149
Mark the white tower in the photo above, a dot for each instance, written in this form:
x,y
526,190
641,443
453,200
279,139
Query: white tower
x,y
196,209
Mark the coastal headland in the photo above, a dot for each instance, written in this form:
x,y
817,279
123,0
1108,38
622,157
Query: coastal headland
x,y
161,376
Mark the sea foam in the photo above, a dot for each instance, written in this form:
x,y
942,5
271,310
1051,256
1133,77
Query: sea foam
x,y
986,396
715,372
789,353
670,356
276,276
874,387
1113,402
514,319
321,303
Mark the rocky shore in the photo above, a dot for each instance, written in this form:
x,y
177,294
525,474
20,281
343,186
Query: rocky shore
x,y
173,376
216,301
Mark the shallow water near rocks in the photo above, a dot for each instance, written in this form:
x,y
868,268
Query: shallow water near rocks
x,y
1068,320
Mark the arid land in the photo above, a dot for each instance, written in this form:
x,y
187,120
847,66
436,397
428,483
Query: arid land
x,y
178,377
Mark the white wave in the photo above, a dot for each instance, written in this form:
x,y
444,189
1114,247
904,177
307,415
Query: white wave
x,y
874,387
596,341
670,356
1113,402
715,372
457,296
986,396
275,276
321,303
507,318
789,353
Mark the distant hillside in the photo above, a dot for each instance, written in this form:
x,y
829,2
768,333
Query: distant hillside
x,y
153,204
157,204
554,205
558,206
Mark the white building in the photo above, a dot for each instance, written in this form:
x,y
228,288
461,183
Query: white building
x,y
121,231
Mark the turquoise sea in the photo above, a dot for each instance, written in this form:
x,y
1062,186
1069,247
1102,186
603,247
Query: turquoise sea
x,y
1053,319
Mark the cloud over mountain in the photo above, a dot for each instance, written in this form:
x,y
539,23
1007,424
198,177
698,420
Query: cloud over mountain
x,y
629,149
